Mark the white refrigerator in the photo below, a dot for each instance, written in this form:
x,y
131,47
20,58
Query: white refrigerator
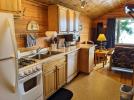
x,y
8,58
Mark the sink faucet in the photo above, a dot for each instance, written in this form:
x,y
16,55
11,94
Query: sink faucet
x,y
50,49
38,50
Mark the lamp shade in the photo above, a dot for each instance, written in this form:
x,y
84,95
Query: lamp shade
x,y
101,37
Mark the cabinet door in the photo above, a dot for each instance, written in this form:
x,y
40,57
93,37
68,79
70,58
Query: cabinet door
x,y
76,21
53,24
10,5
62,19
71,20
61,75
50,82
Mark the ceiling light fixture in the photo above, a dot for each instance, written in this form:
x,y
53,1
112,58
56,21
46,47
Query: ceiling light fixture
x,y
83,3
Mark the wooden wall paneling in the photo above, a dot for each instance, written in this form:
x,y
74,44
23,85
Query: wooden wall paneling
x,y
93,8
33,11
117,13
39,13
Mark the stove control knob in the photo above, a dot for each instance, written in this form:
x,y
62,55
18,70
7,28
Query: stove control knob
x,y
29,71
34,69
38,68
26,72
21,74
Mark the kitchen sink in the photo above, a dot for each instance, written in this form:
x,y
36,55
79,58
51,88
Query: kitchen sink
x,y
43,56
54,52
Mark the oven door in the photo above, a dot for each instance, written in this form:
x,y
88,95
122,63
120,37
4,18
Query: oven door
x,y
31,87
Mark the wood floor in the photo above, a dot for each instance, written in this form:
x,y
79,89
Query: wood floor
x,y
124,78
100,84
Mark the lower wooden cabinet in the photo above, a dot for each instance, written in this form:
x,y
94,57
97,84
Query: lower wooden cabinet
x,y
54,75
61,75
50,82
86,59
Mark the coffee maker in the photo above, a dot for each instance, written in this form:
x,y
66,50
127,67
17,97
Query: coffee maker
x,y
67,38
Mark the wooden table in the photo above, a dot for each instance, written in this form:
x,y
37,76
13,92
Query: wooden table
x,y
101,56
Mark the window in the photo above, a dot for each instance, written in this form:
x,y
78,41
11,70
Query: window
x,y
124,31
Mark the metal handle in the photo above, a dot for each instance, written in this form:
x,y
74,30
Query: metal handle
x,y
12,34
6,58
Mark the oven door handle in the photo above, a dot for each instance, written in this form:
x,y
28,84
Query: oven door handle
x,y
30,76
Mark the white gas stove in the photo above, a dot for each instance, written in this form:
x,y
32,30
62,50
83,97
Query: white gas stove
x,y
30,79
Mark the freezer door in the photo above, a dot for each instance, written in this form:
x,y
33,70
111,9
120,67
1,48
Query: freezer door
x,y
8,80
8,73
7,36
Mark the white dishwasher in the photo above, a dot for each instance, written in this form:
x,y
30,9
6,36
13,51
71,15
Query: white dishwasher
x,y
72,65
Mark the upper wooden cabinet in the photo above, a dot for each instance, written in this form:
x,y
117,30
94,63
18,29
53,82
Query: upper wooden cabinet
x,y
76,25
71,20
57,18
10,5
62,20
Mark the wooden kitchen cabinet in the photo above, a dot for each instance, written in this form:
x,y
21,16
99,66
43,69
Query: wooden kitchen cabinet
x,y
57,18
61,75
54,75
49,81
10,5
71,20
86,59
62,20
76,25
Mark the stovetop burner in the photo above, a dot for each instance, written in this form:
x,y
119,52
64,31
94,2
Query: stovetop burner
x,y
22,62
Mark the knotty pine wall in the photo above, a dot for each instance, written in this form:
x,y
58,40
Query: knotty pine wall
x,y
33,11
117,13
38,12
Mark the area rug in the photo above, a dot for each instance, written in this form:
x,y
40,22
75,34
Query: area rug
x,y
62,94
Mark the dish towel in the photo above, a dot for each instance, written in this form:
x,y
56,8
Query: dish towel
x,y
30,40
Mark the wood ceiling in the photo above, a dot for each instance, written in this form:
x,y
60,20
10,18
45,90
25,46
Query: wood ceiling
x,y
93,8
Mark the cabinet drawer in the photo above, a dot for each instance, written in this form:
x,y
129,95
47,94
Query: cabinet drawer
x,y
59,62
53,63
48,67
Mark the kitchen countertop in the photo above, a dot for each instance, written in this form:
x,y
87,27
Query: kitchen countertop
x,y
64,51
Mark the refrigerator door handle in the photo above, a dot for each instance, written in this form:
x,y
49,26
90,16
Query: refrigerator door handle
x,y
6,58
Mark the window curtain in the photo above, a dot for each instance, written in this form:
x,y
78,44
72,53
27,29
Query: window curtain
x,y
110,33
97,30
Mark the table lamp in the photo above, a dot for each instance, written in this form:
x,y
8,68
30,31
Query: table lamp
x,y
101,38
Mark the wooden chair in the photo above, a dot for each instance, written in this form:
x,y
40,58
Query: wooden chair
x,y
100,57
